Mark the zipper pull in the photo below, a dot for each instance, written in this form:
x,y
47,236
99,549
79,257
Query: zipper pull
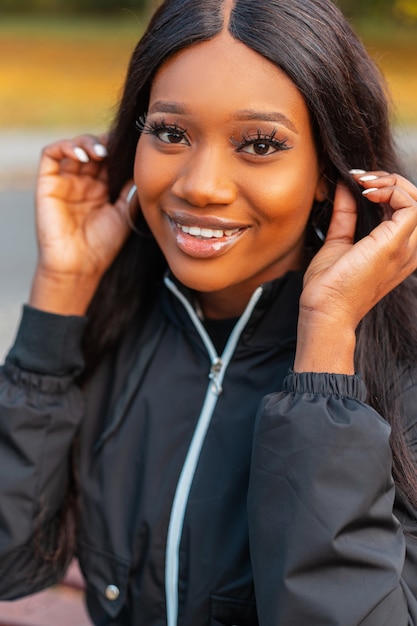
x,y
215,370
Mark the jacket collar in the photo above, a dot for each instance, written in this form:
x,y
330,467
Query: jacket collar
x,y
273,321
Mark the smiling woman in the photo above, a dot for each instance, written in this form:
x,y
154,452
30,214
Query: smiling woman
x,y
182,395
253,173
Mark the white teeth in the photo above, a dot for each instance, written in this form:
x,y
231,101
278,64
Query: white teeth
x,y
207,233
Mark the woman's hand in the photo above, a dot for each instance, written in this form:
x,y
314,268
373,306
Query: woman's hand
x,y
79,231
345,280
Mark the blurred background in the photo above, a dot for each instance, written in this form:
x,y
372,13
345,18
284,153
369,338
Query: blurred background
x,y
62,65
62,61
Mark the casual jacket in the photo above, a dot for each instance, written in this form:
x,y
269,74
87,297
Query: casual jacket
x,y
214,491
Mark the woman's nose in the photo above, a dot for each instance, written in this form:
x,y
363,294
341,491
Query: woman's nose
x,y
205,179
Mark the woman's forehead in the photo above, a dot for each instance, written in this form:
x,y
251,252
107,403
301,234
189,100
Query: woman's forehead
x,y
228,75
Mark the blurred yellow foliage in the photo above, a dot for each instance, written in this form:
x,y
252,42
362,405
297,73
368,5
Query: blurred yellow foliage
x,y
406,10
63,77
69,73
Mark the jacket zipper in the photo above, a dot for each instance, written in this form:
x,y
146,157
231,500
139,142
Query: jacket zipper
x,y
216,376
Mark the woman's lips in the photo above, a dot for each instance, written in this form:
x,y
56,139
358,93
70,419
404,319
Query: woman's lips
x,y
203,241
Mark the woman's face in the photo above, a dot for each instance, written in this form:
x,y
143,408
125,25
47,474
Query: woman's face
x,y
227,171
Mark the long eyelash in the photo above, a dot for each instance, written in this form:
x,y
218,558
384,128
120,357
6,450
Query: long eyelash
x,y
141,122
156,126
279,144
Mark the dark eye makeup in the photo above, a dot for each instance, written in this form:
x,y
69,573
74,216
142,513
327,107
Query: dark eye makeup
x,y
261,144
167,133
255,144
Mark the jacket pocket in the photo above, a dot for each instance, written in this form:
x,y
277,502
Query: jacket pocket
x,y
106,578
232,612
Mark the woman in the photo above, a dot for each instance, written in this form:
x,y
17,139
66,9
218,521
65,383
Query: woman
x,y
270,235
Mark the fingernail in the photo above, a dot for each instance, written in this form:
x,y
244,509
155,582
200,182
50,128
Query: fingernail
x,y
81,155
100,150
366,191
365,179
357,171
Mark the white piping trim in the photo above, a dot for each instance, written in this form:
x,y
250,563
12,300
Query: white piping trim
x,y
194,318
179,506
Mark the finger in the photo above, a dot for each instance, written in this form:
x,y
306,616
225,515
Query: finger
x,y
93,145
344,216
395,196
71,153
379,179
357,174
64,154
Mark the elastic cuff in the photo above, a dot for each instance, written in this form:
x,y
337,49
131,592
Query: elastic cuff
x,y
47,343
341,385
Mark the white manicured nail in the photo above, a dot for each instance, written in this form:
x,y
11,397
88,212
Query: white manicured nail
x,y
357,171
366,191
100,150
81,155
365,179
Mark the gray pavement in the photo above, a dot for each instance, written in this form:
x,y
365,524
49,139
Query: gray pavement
x,y
19,155
17,259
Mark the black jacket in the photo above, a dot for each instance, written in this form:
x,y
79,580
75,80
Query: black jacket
x,y
189,515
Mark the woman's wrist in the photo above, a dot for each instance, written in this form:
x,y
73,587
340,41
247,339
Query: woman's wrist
x,y
63,294
324,345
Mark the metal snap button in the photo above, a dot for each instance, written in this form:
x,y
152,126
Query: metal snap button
x,y
112,592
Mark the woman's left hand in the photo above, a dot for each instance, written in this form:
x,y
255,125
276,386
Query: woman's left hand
x,y
346,279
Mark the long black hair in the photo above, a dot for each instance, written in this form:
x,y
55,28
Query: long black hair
x,y
315,46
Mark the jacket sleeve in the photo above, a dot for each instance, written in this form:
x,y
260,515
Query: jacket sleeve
x,y
331,542
40,410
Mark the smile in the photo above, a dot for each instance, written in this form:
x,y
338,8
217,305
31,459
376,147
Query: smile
x,y
203,242
206,233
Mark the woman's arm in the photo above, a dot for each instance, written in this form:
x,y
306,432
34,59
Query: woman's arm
x,y
325,544
40,412
79,234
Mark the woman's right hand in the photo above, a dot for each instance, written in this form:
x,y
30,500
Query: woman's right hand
x,y
79,231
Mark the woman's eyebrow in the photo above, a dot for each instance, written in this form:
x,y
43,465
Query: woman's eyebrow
x,y
243,115
250,115
165,106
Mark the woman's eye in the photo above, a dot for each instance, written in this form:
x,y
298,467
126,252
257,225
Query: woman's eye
x,y
167,133
260,148
171,135
261,145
